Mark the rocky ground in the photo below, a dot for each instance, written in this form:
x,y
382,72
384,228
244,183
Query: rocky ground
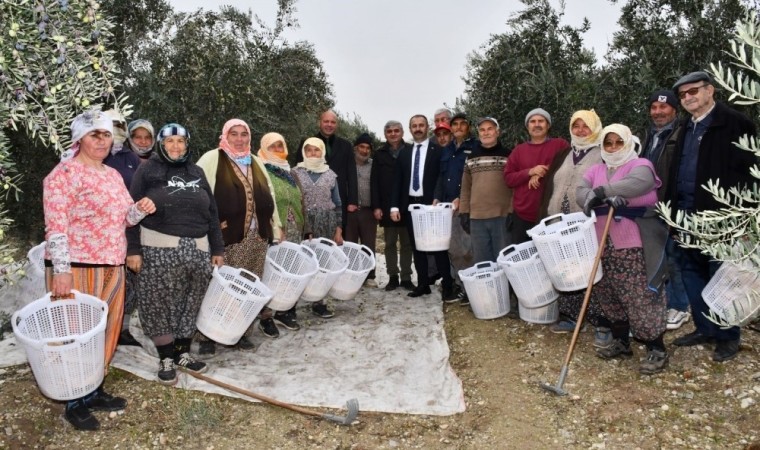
x,y
695,404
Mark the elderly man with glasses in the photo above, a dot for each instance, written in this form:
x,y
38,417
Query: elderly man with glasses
x,y
706,151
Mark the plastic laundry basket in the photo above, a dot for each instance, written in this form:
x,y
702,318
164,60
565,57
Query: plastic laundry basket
x,y
527,275
287,271
233,300
332,264
730,292
567,246
487,288
64,342
432,226
543,315
361,261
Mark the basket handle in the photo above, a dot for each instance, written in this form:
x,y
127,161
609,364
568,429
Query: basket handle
x,y
445,205
552,219
507,250
416,206
483,265
366,250
249,275
326,242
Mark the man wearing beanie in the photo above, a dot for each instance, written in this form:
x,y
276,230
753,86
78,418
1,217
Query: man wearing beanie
x,y
706,151
361,225
659,148
526,167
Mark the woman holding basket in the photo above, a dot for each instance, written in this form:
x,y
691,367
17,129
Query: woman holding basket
x,y
87,208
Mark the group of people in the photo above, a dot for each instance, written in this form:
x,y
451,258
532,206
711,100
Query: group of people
x,y
132,220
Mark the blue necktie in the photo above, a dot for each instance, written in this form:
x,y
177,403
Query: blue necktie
x,y
416,169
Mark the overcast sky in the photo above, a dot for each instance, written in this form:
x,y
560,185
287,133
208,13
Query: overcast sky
x,y
392,59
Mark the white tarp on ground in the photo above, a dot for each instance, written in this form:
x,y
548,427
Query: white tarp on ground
x,y
384,349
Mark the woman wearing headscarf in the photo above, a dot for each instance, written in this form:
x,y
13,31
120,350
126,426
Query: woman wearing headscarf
x,y
132,145
289,199
629,184
174,250
564,175
87,208
324,213
247,212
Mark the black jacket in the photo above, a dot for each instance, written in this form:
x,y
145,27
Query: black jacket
x,y
663,163
718,157
383,175
403,176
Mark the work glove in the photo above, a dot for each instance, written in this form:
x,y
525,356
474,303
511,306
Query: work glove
x,y
464,220
616,201
591,203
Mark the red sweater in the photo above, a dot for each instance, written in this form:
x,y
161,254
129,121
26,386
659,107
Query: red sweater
x,y
523,158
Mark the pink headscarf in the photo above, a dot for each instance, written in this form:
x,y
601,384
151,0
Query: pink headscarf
x,y
224,145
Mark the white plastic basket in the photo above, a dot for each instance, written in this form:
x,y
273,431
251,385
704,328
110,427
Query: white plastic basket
x,y
233,300
527,275
36,256
487,288
730,293
544,315
432,226
332,264
361,261
64,342
287,270
567,246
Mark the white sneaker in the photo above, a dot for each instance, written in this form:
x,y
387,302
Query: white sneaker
x,y
370,283
677,318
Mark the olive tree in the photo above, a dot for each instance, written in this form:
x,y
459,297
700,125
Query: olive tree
x,y
55,61
732,233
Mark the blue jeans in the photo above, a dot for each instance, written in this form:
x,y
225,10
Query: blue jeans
x,y
674,288
696,271
489,237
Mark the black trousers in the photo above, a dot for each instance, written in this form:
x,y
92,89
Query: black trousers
x,y
421,260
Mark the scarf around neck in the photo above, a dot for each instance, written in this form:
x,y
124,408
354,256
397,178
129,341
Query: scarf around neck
x,y
613,160
316,165
241,157
276,159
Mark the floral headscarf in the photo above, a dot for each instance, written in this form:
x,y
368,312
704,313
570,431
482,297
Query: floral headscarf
x,y
240,157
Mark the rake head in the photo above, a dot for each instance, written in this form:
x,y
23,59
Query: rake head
x,y
352,410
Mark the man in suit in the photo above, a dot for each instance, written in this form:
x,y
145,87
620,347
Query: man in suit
x,y
417,171
340,159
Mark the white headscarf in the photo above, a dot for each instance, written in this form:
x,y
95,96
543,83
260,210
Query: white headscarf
x,y
316,165
145,125
627,153
119,132
82,124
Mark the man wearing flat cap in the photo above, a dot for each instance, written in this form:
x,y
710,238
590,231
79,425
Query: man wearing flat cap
x,y
660,146
526,167
706,151
361,225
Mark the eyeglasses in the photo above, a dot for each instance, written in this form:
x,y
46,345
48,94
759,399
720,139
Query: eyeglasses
x,y
693,91
613,144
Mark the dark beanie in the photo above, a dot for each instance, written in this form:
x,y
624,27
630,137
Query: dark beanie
x,y
363,138
664,96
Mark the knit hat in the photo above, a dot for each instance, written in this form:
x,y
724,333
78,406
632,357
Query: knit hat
x,y
363,138
538,112
172,129
663,96
692,78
